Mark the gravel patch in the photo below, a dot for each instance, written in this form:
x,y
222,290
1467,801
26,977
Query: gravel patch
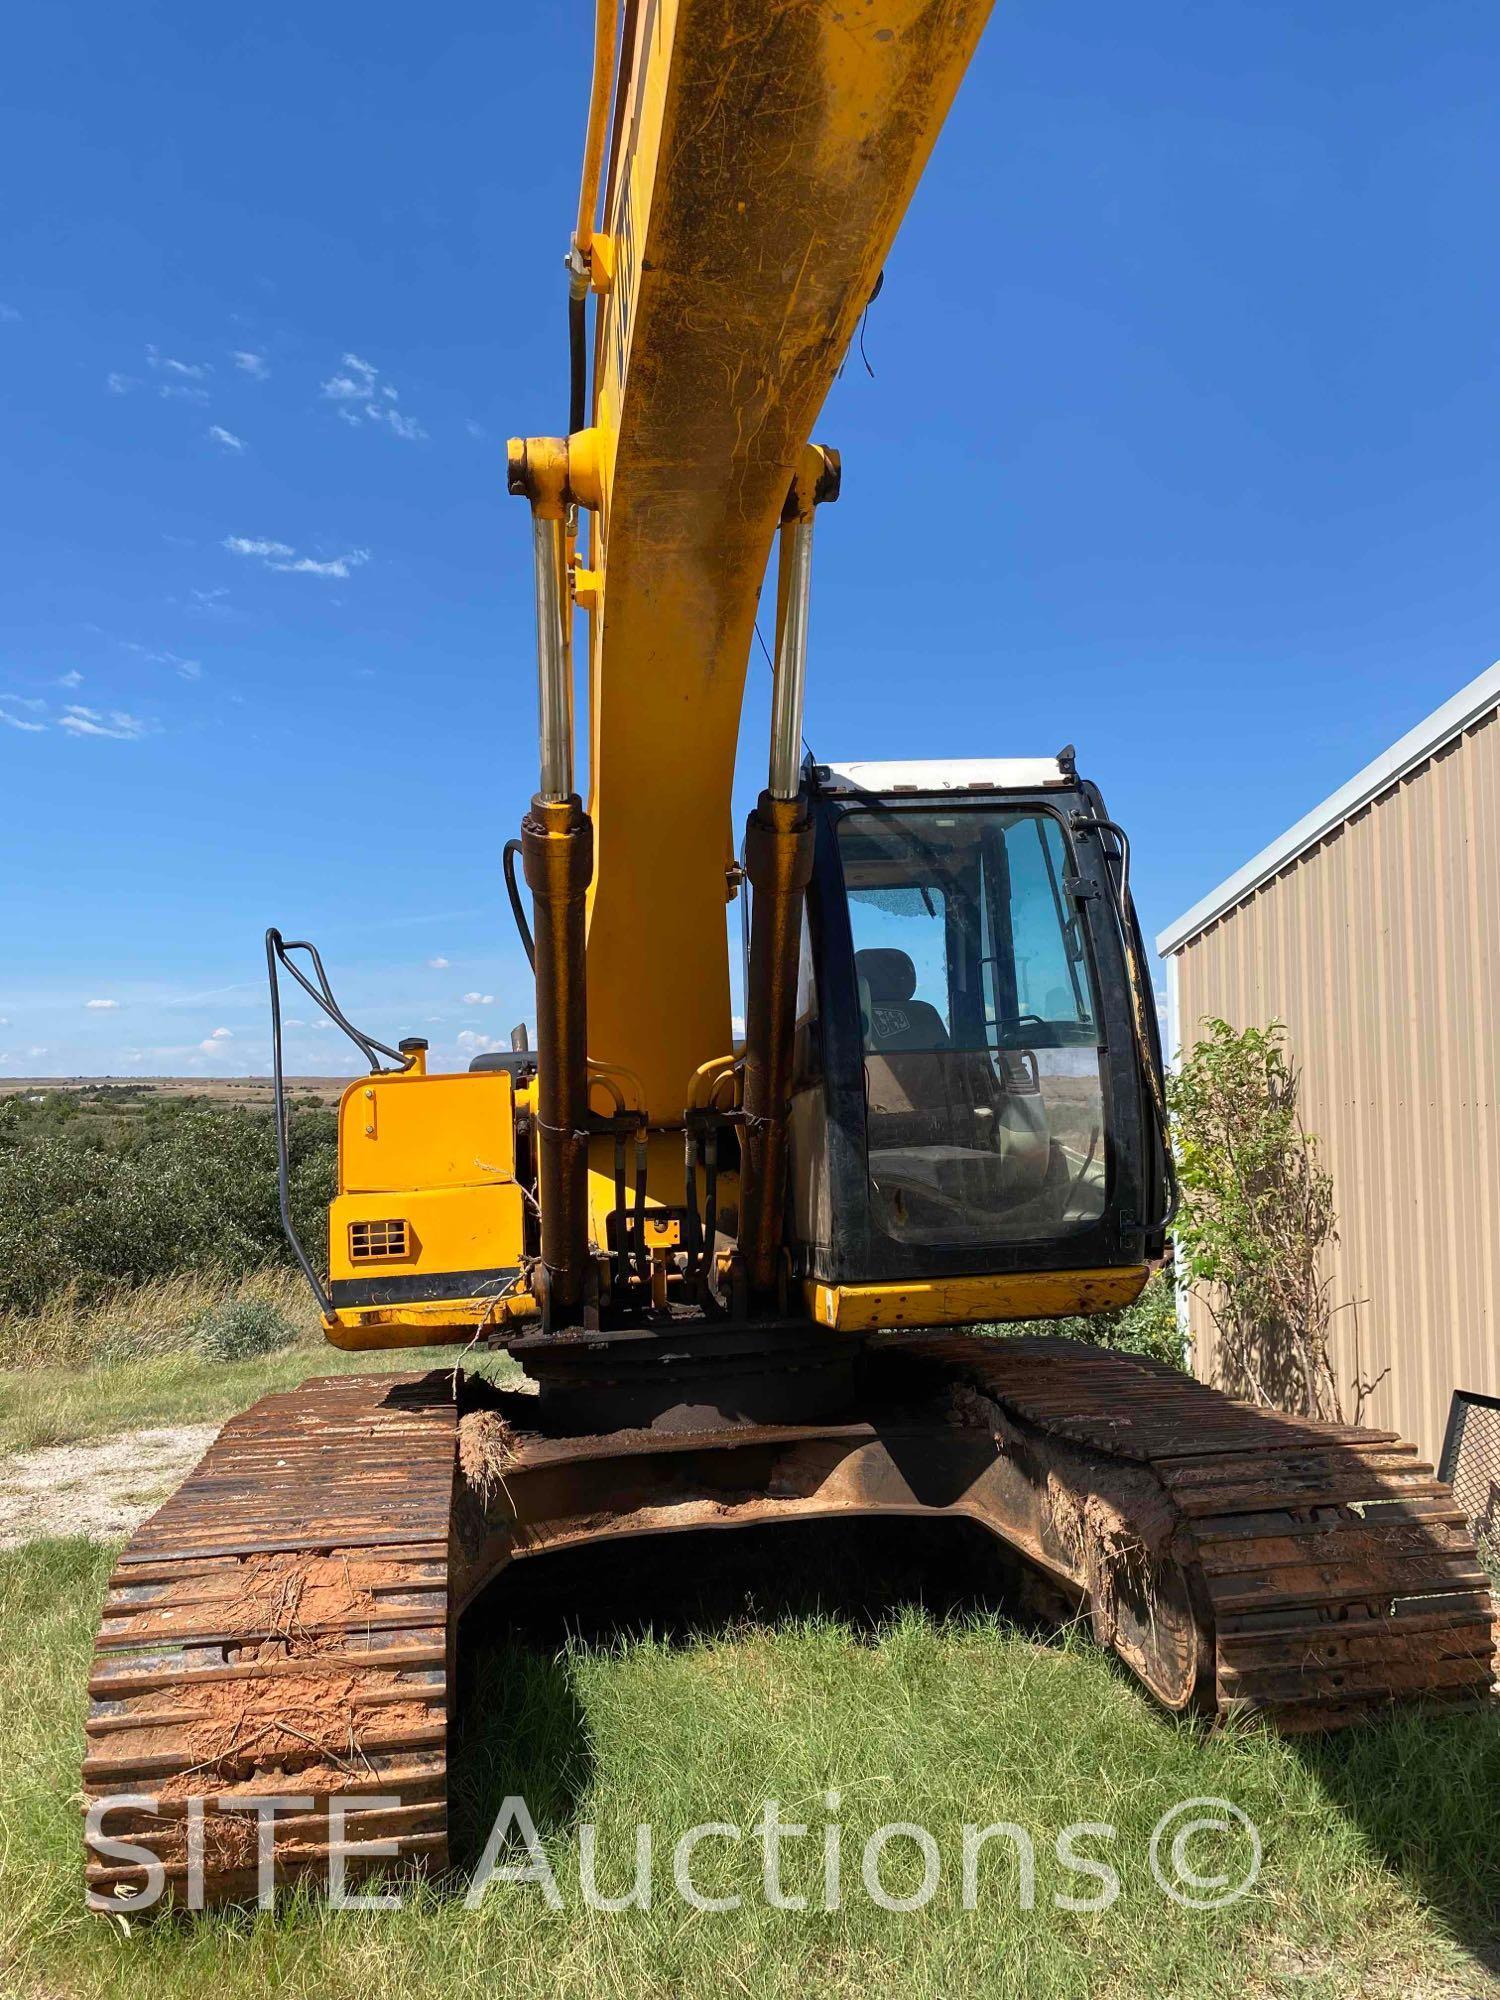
x,y
99,1490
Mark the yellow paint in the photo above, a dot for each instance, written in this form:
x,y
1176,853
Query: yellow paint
x,y
436,1153
455,1229
963,1301
433,1323
410,1131
767,152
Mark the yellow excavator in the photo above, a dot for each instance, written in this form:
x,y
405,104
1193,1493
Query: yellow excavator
x,y
731,1268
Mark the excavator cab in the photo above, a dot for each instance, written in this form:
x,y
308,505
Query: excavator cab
x,y
970,1093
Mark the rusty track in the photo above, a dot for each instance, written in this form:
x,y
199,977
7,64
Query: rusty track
x,y
281,1627
286,1623
1328,1572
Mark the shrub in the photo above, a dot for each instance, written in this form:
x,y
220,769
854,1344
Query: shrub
x,y
148,1321
237,1329
1148,1326
1256,1219
174,1188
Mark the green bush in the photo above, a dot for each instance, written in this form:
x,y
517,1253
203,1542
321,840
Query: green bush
x,y
174,1188
240,1329
1257,1220
1149,1326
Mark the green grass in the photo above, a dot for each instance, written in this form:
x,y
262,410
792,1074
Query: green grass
x,y
1382,1847
127,1361
43,1406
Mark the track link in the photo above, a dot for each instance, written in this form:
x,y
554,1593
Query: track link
x,y
1328,1570
280,1628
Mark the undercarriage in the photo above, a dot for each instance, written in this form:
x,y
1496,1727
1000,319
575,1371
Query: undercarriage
x,y
288,1624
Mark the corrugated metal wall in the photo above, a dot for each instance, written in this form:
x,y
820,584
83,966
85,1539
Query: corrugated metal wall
x,y
1380,949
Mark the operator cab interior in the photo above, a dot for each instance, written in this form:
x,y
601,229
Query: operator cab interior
x,y
965,1083
983,1101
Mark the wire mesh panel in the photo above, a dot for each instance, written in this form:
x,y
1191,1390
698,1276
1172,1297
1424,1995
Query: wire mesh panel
x,y
1471,1464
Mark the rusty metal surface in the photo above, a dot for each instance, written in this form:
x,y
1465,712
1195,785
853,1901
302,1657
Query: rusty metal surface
x,y
280,1626
778,861
557,853
1331,1572
1239,1561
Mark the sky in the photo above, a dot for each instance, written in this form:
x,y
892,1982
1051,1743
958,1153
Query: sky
x,y
1179,445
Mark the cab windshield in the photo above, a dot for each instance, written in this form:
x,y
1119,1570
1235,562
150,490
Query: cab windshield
x,y
983,1090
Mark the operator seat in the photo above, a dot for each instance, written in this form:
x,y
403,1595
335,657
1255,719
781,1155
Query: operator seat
x,y
947,1138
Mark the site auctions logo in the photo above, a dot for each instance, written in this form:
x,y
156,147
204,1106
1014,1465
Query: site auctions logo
x,y
999,1859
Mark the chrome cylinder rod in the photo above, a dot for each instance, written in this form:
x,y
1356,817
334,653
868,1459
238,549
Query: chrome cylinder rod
x,y
790,674
554,659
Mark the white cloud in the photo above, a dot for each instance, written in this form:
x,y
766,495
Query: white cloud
x,y
89,722
336,565
9,313
222,1035
282,556
248,545
477,1044
475,430
101,1006
250,364
9,702
226,438
404,427
360,392
438,964
192,371
121,385
183,393
189,670
356,387
479,999
71,679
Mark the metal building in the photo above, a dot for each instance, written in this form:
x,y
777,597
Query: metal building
x,y
1372,929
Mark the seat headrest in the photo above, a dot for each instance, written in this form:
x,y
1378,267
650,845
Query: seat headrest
x,y
889,974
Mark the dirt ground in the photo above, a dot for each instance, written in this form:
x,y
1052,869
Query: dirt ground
x,y
98,1490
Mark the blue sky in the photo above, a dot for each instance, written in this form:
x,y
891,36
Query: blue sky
x,y
1180,445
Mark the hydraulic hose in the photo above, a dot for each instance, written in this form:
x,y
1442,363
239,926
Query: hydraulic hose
x,y
517,907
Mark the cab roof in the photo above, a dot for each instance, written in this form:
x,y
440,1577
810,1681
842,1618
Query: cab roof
x,y
948,774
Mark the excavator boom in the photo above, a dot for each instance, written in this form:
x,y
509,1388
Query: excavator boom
x,y
764,154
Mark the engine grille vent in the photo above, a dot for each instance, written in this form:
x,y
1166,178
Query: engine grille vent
x,y
370,1242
